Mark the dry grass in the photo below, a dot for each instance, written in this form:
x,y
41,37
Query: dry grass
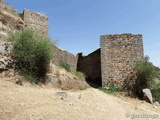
x,y
29,102
61,71
67,80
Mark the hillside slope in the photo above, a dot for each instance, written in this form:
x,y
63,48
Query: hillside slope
x,y
41,103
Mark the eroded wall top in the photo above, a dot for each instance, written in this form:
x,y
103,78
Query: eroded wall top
x,y
118,54
9,20
8,8
66,57
90,65
35,21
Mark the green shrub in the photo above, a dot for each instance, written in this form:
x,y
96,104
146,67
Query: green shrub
x,y
155,88
145,72
32,53
111,89
65,65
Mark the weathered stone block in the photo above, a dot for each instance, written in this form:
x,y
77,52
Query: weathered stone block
x,y
6,62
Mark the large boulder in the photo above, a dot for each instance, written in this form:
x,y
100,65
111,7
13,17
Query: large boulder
x,y
147,95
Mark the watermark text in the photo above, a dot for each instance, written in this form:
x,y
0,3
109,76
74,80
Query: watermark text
x,y
133,116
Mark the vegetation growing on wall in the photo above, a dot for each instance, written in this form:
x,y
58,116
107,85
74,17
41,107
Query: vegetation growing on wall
x,y
65,65
32,53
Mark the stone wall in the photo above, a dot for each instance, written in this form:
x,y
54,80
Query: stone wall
x,y
8,8
90,65
36,21
112,62
118,53
66,57
6,61
9,20
31,19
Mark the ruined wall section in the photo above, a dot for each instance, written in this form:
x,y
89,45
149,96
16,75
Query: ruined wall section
x,y
36,21
66,57
118,53
9,20
8,8
90,65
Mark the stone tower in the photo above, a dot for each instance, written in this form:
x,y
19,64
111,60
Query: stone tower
x,y
118,53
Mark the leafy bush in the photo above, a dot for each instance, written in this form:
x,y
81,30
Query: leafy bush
x,y
145,72
155,88
65,65
111,89
32,53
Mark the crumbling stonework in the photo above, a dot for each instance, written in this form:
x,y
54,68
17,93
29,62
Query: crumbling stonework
x,y
8,8
6,61
35,21
9,20
90,65
118,54
112,63
66,57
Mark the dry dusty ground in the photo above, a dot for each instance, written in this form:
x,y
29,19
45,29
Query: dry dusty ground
x,y
40,103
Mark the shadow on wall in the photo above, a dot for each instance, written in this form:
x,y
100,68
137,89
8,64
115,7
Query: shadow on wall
x,y
90,65
96,83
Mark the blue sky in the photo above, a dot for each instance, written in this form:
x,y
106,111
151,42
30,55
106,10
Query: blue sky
x,y
78,24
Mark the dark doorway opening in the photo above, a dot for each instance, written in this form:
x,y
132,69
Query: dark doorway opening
x,y
96,83
90,65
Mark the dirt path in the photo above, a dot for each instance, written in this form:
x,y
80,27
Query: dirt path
x,y
40,103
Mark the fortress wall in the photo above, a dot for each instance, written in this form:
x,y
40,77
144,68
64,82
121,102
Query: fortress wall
x,y
66,57
36,21
118,54
90,65
8,8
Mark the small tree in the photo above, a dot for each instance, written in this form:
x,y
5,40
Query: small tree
x,y
32,53
155,88
145,72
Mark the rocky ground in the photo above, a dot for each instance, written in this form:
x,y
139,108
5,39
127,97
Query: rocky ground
x,y
30,102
